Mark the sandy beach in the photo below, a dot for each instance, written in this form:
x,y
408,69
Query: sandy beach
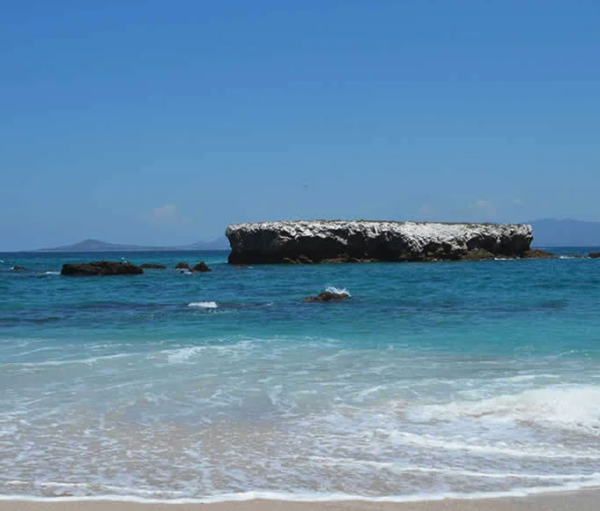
x,y
584,500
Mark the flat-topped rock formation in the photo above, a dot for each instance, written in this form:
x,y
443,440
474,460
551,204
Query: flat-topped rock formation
x,y
358,241
101,268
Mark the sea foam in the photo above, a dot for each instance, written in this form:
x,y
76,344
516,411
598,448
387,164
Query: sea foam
x,y
568,407
204,305
337,290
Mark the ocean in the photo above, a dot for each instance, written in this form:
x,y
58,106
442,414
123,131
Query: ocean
x,y
433,379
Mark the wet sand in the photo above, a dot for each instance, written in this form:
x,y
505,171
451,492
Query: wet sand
x,y
584,500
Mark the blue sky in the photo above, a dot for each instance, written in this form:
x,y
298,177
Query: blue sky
x,y
161,122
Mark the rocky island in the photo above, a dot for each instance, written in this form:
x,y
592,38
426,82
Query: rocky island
x,y
362,241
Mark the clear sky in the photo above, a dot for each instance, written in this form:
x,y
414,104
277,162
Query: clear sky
x,y
159,122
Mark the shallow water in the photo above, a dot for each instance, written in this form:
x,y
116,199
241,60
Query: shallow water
x,y
432,379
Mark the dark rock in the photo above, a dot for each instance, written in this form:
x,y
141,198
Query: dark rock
x,y
478,254
152,266
16,267
242,266
342,258
182,266
536,253
101,268
361,241
300,259
327,296
594,255
201,267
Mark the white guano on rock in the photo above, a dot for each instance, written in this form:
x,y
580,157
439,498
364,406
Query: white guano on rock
x,y
358,241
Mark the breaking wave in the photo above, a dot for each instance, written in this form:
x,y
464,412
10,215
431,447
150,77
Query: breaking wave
x,y
204,305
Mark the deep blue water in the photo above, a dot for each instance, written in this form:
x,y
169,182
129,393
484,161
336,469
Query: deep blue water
x,y
433,378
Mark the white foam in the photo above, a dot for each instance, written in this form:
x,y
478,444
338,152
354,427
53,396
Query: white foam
x,y
567,407
592,482
88,361
528,377
337,290
51,273
394,467
448,444
204,305
182,355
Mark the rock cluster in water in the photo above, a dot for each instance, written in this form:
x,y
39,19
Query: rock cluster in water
x,y
365,241
201,267
121,268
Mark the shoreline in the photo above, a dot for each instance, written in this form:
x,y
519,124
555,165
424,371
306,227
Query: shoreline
x,y
580,500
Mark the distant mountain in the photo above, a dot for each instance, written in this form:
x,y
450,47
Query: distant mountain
x,y
91,245
550,232
221,243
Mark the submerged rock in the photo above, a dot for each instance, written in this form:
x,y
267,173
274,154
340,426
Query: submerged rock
x,y
152,266
182,266
16,267
361,241
201,267
101,268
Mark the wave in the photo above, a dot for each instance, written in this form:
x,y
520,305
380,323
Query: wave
x,y
88,361
142,496
566,407
528,377
460,444
50,273
394,467
180,356
337,290
204,305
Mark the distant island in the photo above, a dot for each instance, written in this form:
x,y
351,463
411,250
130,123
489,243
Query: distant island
x,y
91,245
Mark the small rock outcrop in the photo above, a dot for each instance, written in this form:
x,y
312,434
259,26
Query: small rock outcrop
x,y
182,266
362,241
328,296
16,267
152,266
102,268
594,255
201,267
536,253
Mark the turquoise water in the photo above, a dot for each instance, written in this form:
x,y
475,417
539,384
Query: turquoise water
x,y
432,379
